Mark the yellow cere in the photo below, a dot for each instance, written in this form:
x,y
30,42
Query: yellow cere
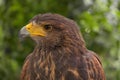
x,y
35,29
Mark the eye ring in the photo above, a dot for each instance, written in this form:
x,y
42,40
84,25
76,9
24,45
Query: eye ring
x,y
48,27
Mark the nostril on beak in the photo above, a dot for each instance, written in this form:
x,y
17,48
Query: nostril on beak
x,y
28,28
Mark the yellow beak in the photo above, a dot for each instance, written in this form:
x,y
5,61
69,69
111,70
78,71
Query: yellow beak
x,y
32,30
35,30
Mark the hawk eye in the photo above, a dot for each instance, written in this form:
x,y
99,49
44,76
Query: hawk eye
x,y
48,27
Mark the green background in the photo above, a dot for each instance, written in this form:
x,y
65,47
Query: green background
x,y
99,22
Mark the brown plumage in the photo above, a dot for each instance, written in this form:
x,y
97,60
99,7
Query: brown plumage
x,y
60,52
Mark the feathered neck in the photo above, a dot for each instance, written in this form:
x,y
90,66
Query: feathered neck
x,y
67,46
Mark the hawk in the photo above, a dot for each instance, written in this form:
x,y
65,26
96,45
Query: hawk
x,y
60,52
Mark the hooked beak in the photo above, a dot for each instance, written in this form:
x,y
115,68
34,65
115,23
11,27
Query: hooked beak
x,y
23,33
31,30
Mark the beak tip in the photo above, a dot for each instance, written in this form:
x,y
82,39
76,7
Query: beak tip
x,y
23,33
21,36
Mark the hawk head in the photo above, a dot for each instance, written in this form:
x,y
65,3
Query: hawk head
x,y
51,30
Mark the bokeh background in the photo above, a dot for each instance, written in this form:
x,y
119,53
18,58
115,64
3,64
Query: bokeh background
x,y
99,22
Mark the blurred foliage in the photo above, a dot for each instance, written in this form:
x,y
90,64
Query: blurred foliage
x,y
98,21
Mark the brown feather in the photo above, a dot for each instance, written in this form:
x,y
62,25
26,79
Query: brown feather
x,y
61,55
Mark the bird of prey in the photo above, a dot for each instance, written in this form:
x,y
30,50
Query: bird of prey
x,y
60,52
